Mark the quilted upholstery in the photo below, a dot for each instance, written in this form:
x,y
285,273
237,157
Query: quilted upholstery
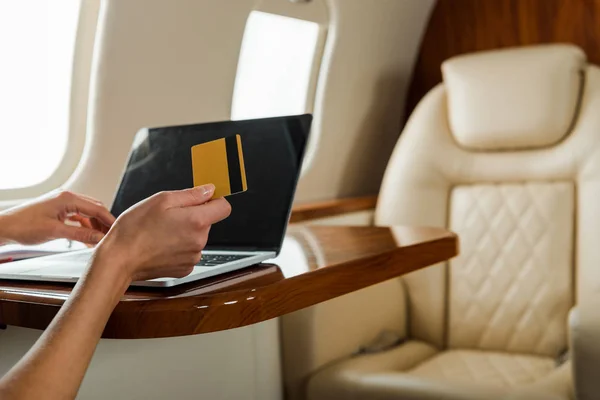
x,y
510,288
502,370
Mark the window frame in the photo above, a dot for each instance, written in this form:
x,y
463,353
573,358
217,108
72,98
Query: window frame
x,y
78,106
317,77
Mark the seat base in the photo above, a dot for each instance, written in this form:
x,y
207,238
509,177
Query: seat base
x,y
417,371
498,370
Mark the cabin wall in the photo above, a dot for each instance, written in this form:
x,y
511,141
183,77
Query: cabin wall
x,y
240,363
367,69
159,62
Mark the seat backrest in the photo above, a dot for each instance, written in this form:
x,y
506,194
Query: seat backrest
x,y
506,153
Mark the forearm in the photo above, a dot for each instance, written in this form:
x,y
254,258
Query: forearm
x,y
4,230
56,364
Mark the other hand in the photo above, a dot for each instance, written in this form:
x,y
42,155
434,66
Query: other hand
x,y
164,235
47,217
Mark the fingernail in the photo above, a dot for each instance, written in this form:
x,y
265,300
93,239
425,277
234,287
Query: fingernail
x,y
208,189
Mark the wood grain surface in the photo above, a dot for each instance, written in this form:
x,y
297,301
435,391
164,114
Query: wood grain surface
x,y
463,26
306,212
316,264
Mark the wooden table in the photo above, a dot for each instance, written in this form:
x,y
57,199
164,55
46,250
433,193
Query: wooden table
x,y
315,265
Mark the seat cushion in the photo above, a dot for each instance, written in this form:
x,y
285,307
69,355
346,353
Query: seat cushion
x,y
501,370
418,371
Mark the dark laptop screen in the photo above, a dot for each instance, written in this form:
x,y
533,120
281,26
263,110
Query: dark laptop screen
x,y
273,149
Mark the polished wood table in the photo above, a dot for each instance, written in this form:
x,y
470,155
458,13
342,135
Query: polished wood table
x,y
315,265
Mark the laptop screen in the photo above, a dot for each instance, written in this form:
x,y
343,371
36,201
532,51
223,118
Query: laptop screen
x,y
273,149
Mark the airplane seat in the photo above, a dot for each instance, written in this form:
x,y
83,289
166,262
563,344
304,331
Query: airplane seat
x,y
506,153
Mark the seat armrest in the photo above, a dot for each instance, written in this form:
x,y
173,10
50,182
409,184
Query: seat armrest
x,y
336,329
357,218
357,211
584,321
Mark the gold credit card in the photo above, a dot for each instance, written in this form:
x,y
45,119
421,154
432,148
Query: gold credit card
x,y
220,162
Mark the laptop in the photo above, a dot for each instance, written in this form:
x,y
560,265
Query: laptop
x,y
161,159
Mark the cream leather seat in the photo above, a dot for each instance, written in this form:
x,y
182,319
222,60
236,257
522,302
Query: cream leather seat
x,y
506,153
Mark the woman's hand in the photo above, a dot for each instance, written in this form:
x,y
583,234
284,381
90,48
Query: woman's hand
x,y
162,236
46,218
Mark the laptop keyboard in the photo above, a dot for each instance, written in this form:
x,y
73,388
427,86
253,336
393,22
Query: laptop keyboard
x,y
208,260
212,260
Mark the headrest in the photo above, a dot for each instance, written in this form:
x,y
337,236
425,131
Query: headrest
x,y
514,98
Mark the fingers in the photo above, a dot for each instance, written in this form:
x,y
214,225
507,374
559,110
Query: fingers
x,y
79,234
83,221
216,210
190,197
91,209
99,226
91,223
204,215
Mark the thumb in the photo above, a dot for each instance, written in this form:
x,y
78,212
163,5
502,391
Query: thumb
x,y
80,234
192,197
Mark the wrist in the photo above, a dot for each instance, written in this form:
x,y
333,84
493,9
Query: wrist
x,y
110,267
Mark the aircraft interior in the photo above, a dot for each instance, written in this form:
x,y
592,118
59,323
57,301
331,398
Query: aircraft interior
x,y
300,199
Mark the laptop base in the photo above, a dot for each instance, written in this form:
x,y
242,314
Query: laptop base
x,y
69,267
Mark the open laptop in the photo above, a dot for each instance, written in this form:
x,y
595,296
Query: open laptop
x,y
160,159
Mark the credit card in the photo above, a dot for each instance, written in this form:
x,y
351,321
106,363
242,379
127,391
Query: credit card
x,y
220,162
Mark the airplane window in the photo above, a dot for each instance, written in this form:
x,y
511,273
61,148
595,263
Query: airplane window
x,y
37,41
275,66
